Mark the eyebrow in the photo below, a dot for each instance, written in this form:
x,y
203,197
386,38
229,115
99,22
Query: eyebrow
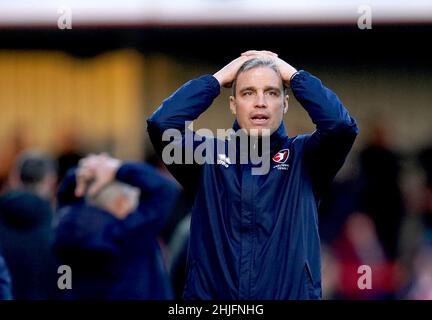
x,y
247,89
272,88
268,88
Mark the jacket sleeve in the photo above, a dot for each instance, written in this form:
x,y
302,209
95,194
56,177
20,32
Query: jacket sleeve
x,y
157,200
186,104
327,148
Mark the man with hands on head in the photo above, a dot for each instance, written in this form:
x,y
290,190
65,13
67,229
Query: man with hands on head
x,y
256,236
110,215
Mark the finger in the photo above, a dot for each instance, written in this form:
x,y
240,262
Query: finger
x,y
270,53
88,156
244,58
259,52
80,186
250,52
83,176
82,161
86,161
91,163
80,189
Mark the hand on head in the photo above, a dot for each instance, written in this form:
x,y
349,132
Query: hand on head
x,y
260,53
285,69
94,172
227,74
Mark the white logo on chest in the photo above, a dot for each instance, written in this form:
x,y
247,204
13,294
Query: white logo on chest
x,y
223,160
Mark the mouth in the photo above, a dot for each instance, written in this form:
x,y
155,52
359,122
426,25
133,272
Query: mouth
x,y
259,119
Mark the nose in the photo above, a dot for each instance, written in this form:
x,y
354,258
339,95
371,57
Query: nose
x,y
260,101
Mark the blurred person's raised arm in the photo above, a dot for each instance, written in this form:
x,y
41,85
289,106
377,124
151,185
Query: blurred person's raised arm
x,y
158,195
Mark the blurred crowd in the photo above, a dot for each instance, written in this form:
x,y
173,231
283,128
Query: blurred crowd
x,y
380,217
135,246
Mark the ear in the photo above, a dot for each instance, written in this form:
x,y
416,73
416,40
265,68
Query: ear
x,y
47,186
233,105
13,179
285,103
119,207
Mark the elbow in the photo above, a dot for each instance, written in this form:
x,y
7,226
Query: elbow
x,y
172,191
153,122
154,127
346,126
157,119
343,130
158,123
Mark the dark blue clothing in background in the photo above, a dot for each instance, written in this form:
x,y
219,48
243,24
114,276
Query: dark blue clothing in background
x,y
256,236
112,258
26,239
5,281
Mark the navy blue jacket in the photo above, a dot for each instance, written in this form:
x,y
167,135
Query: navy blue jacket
x,y
256,236
112,258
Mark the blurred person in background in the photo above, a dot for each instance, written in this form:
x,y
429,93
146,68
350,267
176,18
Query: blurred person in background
x,y
5,281
17,143
110,215
180,210
425,161
174,236
418,237
371,204
69,153
358,245
420,283
26,226
331,274
177,263
380,195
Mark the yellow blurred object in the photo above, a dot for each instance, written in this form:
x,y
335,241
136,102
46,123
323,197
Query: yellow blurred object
x,y
47,93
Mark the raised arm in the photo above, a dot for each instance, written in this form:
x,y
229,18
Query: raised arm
x,y
158,194
327,148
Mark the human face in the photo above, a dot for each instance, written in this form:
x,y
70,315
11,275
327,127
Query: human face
x,y
259,101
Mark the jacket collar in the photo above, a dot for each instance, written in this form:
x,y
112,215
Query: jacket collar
x,y
276,138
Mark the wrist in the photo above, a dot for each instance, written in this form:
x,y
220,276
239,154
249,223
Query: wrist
x,y
289,74
115,167
219,78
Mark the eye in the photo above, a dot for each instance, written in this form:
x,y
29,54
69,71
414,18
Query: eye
x,y
247,93
272,93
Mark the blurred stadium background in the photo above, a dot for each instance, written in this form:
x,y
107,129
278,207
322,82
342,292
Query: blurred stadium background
x,y
90,89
